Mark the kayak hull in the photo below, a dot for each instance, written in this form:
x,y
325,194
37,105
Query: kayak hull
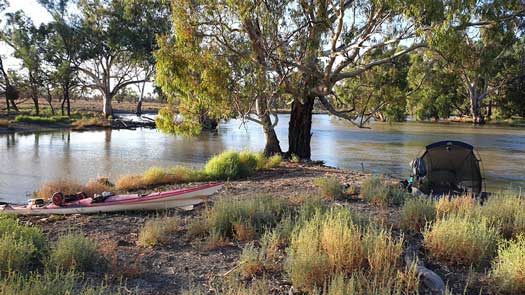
x,y
183,198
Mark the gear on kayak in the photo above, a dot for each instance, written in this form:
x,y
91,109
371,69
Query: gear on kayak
x,y
59,199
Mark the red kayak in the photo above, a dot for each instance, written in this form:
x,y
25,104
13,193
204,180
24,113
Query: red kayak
x,y
181,198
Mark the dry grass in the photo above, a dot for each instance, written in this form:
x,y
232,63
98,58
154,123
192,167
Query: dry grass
x,y
157,231
92,122
4,123
130,182
508,270
380,192
461,240
333,243
96,187
416,212
65,186
462,205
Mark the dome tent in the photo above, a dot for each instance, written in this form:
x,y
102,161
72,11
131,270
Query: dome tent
x,y
447,167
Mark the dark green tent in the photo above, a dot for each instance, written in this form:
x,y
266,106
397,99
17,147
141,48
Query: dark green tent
x,y
447,167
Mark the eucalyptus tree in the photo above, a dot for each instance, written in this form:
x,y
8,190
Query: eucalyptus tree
x,y
474,46
21,35
61,47
110,55
6,86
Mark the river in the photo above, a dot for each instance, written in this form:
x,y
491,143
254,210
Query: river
x,y
28,160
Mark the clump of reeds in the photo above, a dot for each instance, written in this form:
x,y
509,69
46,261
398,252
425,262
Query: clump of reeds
x,y
67,187
157,231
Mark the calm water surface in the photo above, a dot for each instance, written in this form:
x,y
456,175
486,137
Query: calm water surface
x,y
31,159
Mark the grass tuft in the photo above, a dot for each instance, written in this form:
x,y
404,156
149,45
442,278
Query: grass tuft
x,y
130,182
416,212
508,270
461,240
96,187
157,231
75,252
65,186
507,213
380,192
4,123
462,205
330,188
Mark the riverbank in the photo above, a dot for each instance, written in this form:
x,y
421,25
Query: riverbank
x,y
189,258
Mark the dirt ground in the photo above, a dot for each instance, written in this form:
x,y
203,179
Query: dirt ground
x,y
182,263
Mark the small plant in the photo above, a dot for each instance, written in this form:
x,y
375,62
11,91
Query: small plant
x,y
251,261
74,251
380,192
506,212
295,158
20,246
462,205
461,240
157,231
508,270
257,213
273,161
330,188
65,186
198,227
416,212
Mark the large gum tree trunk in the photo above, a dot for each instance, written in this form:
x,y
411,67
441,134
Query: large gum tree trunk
x,y
272,146
107,108
300,127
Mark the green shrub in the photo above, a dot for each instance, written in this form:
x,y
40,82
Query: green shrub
x,y
73,251
380,192
51,283
20,246
508,270
461,240
416,212
248,163
38,119
330,188
273,161
258,213
506,211
157,231
225,166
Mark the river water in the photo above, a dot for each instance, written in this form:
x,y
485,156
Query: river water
x,y
28,160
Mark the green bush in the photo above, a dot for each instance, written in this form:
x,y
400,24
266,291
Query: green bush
x,y
38,119
508,270
248,163
380,192
416,212
461,240
51,283
507,212
330,188
225,166
75,252
20,246
258,213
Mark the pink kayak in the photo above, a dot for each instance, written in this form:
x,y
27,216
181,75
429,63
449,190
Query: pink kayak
x,y
182,198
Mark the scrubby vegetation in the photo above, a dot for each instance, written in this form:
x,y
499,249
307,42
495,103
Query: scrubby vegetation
x,y
41,119
508,270
507,212
462,205
377,190
75,252
90,122
4,123
462,240
416,212
330,188
157,231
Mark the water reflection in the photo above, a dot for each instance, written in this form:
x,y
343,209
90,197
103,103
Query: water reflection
x,y
32,159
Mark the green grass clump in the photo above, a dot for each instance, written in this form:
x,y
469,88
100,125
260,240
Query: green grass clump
x,y
507,212
52,283
330,188
157,231
225,166
333,243
508,270
229,217
20,246
416,212
38,119
74,251
461,240
380,192
248,163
